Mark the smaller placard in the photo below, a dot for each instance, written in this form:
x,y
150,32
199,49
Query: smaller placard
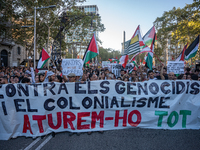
x,y
72,66
177,67
105,64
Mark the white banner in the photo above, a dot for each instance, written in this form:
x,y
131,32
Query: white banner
x,y
116,69
105,64
177,67
39,109
72,66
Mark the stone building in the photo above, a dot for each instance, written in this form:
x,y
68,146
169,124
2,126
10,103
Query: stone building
x,y
11,54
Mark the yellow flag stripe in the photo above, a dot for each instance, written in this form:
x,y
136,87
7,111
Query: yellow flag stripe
x,y
135,39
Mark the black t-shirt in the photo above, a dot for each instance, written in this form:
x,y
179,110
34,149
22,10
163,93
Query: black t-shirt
x,y
166,77
158,77
194,77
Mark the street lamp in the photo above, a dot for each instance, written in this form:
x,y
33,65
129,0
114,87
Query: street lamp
x,y
35,8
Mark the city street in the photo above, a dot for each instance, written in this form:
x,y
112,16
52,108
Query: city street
x,y
127,139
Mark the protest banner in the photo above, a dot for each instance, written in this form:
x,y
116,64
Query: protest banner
x,y
105,64
177,67
116,68
38,109
72,66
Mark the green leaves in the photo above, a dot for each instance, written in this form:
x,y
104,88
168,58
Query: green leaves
x,y
178,27
20,13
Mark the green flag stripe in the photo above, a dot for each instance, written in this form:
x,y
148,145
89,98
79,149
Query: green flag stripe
x,y
44,63
89,56
192,53
149,61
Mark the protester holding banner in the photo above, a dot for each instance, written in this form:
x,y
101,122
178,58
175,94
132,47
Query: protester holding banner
x,y
58,78
102,76
93,77
37,78
195,75
26,80
151,75
16,79
42,76
188,77
3,80
133,75
71,77
84,77
122,73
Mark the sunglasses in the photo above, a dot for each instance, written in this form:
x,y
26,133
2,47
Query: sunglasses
x,y
71,77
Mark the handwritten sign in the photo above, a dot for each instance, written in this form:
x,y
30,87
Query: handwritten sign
x,y
177,67
105,64
72,66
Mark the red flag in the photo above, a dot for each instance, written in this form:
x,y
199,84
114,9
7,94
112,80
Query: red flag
x,y
92,50
183,53
123,60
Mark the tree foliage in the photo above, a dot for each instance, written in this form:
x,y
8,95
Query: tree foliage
x,y
105,54
177,27
15,14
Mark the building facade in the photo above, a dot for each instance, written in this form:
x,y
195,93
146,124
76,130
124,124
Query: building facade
x,y
11,54
77,45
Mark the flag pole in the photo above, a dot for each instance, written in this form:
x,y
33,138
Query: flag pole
x,y
158,58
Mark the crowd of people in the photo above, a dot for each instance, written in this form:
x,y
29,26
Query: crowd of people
x,y
28,75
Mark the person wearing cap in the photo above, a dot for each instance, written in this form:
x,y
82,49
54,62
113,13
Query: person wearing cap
x,y
71,77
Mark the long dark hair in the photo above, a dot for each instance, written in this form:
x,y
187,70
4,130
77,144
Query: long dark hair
x,y
39,77
59,78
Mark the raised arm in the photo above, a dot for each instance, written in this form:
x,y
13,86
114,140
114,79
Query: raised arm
x,y
161,73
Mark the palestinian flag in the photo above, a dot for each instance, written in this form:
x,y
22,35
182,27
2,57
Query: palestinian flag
x,y
192,49
134,62
123,60
181,57
148,37
114,60
88,63
44,57
145,57
92,50
149,59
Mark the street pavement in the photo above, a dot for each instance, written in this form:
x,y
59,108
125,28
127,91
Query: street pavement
x,y
126,139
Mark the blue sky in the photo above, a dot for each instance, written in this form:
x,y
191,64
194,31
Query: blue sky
x,y
125,15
